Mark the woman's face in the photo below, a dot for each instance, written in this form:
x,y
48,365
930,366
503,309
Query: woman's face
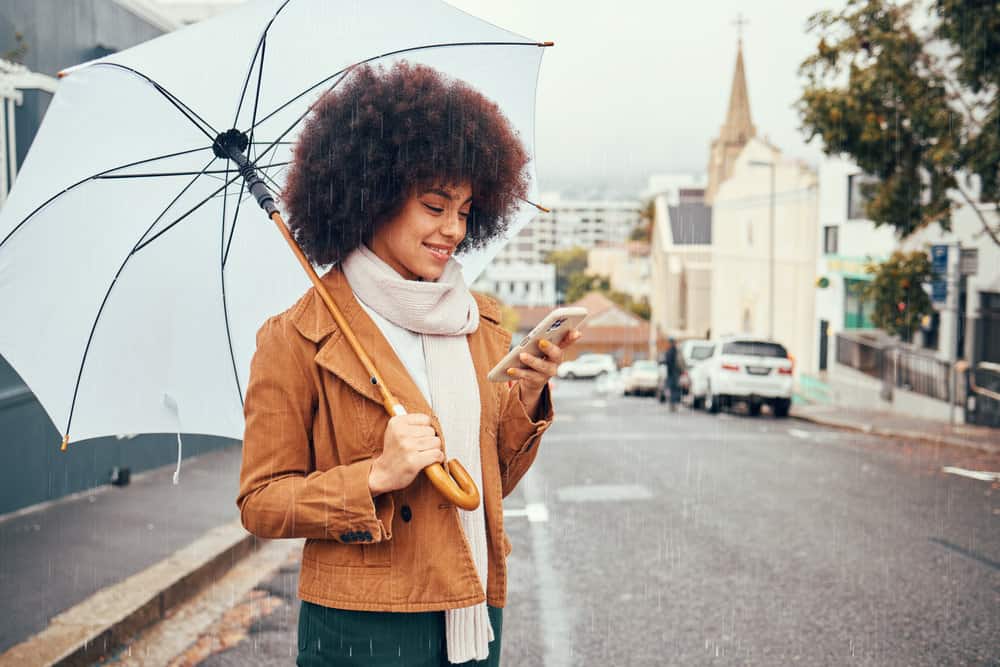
x,y
421,238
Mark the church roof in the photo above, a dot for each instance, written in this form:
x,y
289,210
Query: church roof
x,y
739,126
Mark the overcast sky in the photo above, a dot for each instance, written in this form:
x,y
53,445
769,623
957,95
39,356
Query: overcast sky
x,y
639,86
634,87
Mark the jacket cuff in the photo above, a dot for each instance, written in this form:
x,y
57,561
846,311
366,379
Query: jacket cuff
x,y
521,430
372,518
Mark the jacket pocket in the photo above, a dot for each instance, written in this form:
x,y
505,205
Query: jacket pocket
x,y
378,554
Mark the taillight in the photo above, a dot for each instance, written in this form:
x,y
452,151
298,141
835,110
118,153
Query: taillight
x,y
785,371
730,367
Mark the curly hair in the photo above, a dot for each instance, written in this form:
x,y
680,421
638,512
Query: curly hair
x,y
378,137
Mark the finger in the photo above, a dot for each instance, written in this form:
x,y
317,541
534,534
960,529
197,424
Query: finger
x,y
417,419
570,338
540,365
553,352
426,443
429,457
529,376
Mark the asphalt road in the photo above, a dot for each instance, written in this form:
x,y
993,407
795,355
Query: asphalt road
x,y
643,537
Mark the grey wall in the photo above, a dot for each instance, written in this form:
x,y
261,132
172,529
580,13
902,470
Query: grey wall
x,y
61,33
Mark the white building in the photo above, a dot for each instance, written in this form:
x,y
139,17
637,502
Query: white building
x,y
681,264
763,280
520,284
846,243
571,223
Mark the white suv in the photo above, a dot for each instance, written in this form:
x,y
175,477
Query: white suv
x,y
749,370
587,366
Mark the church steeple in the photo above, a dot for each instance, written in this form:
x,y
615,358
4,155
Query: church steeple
x,y
738,127
736,131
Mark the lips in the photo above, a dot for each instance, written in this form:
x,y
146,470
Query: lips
x,y
440,252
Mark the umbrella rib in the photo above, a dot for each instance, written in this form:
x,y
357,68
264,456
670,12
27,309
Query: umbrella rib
x,y
156,174
186,214
185,110
107,293
382,55
92,177
222,278
260,42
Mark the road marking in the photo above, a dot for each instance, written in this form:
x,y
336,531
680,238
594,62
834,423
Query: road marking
x,y
535,512
557,629
603,493
796,433
981,475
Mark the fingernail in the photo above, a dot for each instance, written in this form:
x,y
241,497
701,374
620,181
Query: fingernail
x,y
544,344
511,371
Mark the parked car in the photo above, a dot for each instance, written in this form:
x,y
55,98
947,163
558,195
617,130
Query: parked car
x,y
693,355
587,365
751,370
643,378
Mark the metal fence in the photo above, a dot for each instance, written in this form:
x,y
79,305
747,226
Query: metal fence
x,y
983,404
898,365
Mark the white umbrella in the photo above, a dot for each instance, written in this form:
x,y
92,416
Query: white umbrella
x,y
135,269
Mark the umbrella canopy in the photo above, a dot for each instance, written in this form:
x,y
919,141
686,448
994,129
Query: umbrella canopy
x,y
135,269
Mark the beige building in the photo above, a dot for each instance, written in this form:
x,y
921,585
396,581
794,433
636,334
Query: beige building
x,y
681,265
626,266
763,280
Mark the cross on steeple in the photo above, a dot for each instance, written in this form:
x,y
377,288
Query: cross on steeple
x,y
739,23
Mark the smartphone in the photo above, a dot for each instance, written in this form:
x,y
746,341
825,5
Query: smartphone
x,y
555,325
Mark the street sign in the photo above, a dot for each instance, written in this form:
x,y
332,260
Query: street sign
x,y
939,266
968,261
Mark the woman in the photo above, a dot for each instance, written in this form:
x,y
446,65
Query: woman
x,y
394,172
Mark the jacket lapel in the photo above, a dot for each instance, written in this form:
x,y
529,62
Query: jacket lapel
x,y
314,321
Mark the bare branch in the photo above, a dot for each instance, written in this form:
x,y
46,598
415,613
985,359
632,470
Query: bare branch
x,y
982,218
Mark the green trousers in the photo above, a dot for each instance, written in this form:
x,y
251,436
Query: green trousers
x,y
334,637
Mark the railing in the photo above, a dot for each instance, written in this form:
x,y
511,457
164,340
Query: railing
x,y
862,352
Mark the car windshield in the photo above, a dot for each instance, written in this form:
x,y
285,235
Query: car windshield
x,y
701,352
755,349
593,358
645,366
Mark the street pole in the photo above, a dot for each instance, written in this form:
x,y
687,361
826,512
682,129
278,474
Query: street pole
x,y
770,280
953,285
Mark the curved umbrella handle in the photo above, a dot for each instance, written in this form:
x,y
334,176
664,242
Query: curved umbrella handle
x,y
455,484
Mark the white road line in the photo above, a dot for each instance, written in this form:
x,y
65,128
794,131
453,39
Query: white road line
x,y
796,433
557,628
534,512
981,475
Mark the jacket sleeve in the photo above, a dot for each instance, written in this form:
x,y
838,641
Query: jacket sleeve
x,y
518,435
281,494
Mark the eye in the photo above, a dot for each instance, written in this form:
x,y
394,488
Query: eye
x,y
434,209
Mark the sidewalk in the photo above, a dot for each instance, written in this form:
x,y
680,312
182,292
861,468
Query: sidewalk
x,y
894,425
64,553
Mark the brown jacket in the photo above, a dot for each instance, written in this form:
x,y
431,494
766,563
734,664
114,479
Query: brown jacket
x,y
314,422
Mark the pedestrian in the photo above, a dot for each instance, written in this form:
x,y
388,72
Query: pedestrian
x,y
673,378
395,171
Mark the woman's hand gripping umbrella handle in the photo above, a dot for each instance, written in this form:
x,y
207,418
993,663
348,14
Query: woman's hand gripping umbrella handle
x,y
455,484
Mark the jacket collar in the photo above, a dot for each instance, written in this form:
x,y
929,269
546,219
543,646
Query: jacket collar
x,y
313,320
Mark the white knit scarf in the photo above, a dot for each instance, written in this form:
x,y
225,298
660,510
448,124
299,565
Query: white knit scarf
x,y
443,313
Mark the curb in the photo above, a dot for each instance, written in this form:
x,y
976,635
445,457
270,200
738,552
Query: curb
x,y
85,633
919,436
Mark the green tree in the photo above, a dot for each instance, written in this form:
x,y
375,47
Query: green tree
x,y
569,262
912,109
897,292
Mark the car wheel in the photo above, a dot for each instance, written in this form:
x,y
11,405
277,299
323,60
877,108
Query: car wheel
x,y
570,375
753,409
698,402
780,407
712,404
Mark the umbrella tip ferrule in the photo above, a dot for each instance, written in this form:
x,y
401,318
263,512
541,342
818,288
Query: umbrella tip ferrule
x,y
65,442
546,43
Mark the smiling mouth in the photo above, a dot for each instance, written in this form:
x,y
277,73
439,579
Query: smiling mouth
x,y
443,253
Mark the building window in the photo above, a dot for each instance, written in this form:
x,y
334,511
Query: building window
x,y
830,240
857,310
856,197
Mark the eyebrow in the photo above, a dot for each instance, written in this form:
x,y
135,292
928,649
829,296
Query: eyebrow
x,y
443,193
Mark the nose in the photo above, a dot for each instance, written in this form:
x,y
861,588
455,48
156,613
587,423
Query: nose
x,y
453,226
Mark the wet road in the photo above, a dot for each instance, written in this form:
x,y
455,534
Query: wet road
x,y
643,537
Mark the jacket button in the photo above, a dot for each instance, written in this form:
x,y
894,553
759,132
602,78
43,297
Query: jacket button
x,y
345,537
406,513
368,536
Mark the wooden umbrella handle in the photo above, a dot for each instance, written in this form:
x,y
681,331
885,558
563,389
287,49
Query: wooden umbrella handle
x,y
455,483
